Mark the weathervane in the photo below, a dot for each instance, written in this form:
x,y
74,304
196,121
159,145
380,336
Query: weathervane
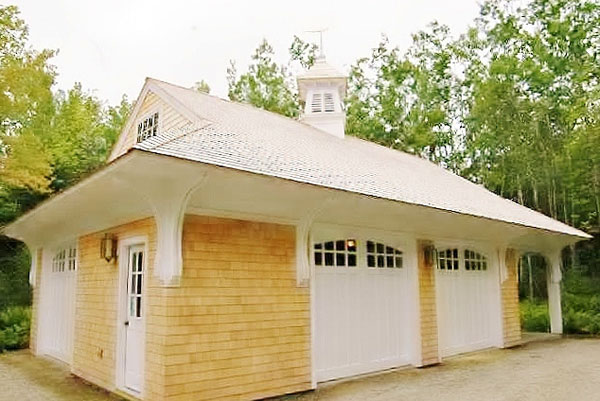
x,y
320,32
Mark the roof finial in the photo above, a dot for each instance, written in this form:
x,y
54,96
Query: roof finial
x,y
321,50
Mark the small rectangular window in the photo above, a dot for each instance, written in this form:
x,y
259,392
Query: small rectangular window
x,y
338,253
65,259
147,128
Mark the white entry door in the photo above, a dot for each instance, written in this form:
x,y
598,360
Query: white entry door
x,y
465,293
361,298
58,294
134,330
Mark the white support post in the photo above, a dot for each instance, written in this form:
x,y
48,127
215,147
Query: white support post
x,y
553,279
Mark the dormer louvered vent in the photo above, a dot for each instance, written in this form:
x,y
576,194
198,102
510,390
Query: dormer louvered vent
x,y
329,106
317,103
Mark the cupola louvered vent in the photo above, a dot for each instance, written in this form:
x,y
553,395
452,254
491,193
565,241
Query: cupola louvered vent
x,y
329,106
317,103
322,90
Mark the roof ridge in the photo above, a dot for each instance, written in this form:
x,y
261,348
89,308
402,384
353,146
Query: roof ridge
x,y
243,104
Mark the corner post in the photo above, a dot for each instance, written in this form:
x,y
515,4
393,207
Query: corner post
x,y
509,287
553,279
428,323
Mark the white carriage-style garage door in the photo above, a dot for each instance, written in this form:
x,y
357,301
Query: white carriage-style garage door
x,y
466,285
57,315
361,313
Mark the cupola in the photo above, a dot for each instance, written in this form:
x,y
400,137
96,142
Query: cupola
x,y
322,89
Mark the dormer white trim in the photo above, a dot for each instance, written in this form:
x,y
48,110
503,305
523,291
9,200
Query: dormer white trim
x,y
119,148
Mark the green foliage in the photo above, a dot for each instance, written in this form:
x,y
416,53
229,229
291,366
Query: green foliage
x,y
534,316
404,101
202,86
581,303
303,52
15,323
266,85
14,273
81,135
47,142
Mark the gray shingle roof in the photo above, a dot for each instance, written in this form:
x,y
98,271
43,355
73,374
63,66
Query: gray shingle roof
x,y
242,137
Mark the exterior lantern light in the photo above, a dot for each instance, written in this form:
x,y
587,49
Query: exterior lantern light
x,y
108,247
430,255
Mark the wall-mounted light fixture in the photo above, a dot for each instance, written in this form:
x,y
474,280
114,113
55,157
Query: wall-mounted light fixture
x,y
430,254
108,247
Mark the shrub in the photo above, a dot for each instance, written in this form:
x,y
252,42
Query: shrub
x,y
534,316
15,323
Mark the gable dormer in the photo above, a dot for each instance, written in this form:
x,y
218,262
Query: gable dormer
x,y
153,114
322,89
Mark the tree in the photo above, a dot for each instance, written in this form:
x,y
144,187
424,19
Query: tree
x,y
303,52
201,86
403,101
81,135
26,105
266,85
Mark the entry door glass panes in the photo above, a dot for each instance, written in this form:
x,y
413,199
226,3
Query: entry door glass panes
x,y
136,273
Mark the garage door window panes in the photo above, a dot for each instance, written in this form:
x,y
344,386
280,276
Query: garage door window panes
x,y
475,261
335,253
65,259
448,259
381,255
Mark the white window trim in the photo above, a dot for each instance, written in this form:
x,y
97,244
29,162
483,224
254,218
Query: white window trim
x,y
487,256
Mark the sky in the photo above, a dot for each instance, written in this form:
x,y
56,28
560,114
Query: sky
x,y
110,46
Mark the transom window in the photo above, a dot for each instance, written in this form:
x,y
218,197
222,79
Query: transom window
x,y
65,259
475,260
335,253
448,259
381,255
147,128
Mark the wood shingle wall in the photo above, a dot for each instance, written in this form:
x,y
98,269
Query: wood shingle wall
x,y
427,307
510,301
94,353
238,328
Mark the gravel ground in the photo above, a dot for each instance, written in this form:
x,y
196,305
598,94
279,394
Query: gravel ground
x,y
24,377
550,370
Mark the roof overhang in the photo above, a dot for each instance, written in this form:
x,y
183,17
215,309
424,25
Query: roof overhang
x,y
114,196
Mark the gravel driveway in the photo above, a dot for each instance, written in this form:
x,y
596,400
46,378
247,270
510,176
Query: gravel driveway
x,y
551,370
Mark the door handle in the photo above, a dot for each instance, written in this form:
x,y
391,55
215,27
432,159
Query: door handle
x,y
126,323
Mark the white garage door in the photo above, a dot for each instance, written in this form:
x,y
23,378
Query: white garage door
x,y
58,304
360,307
465,294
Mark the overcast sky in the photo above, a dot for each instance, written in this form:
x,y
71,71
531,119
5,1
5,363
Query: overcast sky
x,y
110,46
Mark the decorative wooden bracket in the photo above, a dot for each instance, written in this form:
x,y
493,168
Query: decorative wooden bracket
x,y
303,229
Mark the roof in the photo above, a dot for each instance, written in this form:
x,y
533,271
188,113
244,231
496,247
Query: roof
x,y
321,70
243,137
